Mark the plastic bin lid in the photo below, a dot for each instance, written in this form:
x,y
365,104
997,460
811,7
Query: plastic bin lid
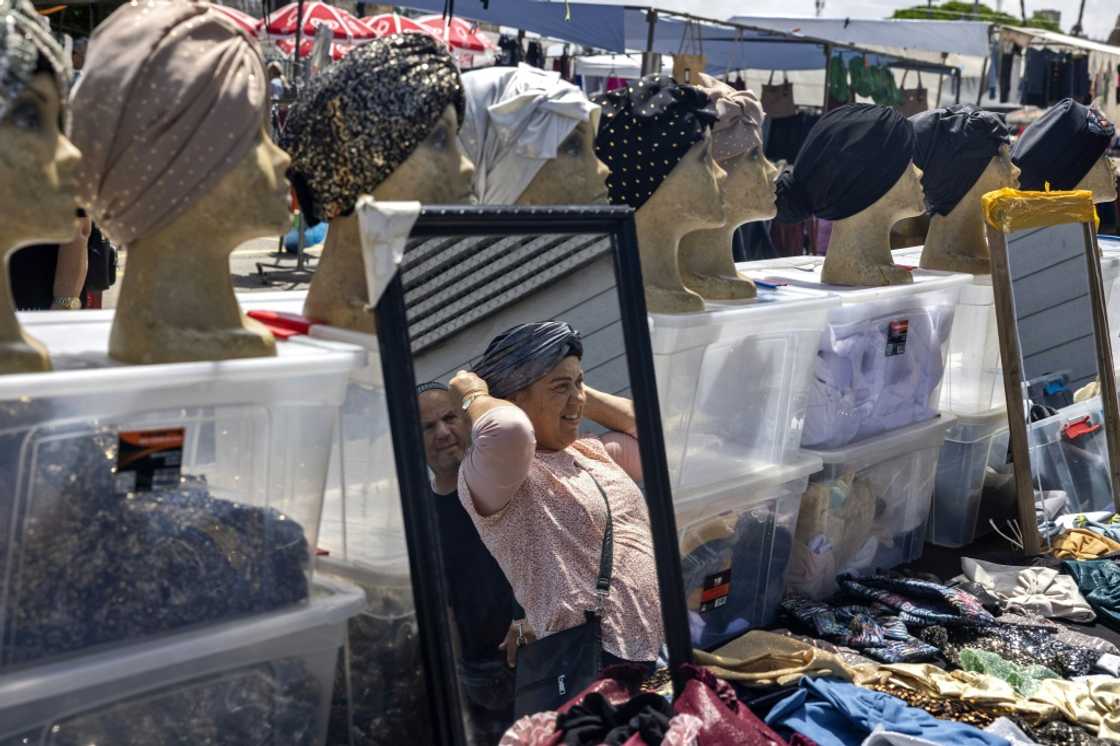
x,y
80,354
770,302
929,434
970,428
1109,243
332,602
805,272
763,484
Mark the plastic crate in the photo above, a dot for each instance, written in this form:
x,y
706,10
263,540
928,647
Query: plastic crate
x,y
732,382
735,543
962,469
262,680
1069,452
881,355
866,510
220,524
1110,276
380,694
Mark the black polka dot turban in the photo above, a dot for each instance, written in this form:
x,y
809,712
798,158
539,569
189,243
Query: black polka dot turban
x,y
644,131
353,125
852,156
953,146
522,355
1061,147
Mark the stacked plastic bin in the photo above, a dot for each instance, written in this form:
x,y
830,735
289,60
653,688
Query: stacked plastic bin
x,y
155,559
731,385
872,417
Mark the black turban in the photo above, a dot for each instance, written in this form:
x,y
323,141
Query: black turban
x,y
953,147
644,131
1061,146
354,124
521,356
852,156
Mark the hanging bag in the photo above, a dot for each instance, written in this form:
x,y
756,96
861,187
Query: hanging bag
x,y
552,669
777,100
689,61
914,100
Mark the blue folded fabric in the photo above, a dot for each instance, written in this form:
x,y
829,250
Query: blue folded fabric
x,y
835,713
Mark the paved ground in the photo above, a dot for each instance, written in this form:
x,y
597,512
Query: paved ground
x,y
243,267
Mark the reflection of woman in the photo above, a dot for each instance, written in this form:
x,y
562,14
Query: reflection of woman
x,y
529,483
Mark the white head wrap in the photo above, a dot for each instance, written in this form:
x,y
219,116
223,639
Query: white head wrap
x,y
516,118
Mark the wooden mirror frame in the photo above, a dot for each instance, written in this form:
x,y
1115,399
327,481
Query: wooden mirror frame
x,y
1012,360
617,224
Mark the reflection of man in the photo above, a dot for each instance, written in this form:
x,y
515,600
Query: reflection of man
x,y
481,599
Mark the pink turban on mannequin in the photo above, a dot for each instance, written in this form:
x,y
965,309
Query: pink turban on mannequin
x,y
172,98
739,128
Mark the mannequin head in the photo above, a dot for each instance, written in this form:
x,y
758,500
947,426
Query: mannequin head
x,y
1101,180
530,135
691,197
172,110
1061,149
575,176
37,163
362,120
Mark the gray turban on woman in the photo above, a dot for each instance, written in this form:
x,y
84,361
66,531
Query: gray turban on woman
x,y
24,39
172,98
516,118
521,356
356,123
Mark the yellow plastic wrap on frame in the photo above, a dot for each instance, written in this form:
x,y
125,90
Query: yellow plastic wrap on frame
x,y
1010,210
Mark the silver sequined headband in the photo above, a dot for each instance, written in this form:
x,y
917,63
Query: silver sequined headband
x,y
23,37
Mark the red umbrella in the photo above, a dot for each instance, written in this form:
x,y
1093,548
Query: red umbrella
x,y
284,22
338,49
457,33
391,23
244,21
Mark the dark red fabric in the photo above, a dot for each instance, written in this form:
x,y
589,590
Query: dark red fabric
x,y
726,721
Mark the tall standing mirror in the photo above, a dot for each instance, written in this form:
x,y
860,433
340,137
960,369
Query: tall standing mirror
x,y
525,424
1059,382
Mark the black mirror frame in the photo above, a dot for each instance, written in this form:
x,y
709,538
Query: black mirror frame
x,y
419,522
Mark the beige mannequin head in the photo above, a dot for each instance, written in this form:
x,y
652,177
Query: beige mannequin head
x,y
575,176
1101,180
958,242
690,199
438,172
859,251
177,305
37,165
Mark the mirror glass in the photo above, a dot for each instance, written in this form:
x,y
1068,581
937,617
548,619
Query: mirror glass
x,y
1050,287
520,528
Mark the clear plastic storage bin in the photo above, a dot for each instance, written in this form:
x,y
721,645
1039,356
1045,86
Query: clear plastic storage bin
x,y
261,680
866,510
731,383
735,542
961,472
380,693
1069,452
1110,276
147,499
881,356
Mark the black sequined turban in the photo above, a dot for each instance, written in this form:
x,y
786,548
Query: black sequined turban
x,y
356,123
644,131
953,147
852,156
1062,146
524,354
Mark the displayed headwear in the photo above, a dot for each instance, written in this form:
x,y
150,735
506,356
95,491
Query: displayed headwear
x,y
171,99
953,146
24,38
851,157
524,354
645,130
355,123
1061,146
516,118
739,127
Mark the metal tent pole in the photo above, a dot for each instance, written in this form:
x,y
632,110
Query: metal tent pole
x,y
651,62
